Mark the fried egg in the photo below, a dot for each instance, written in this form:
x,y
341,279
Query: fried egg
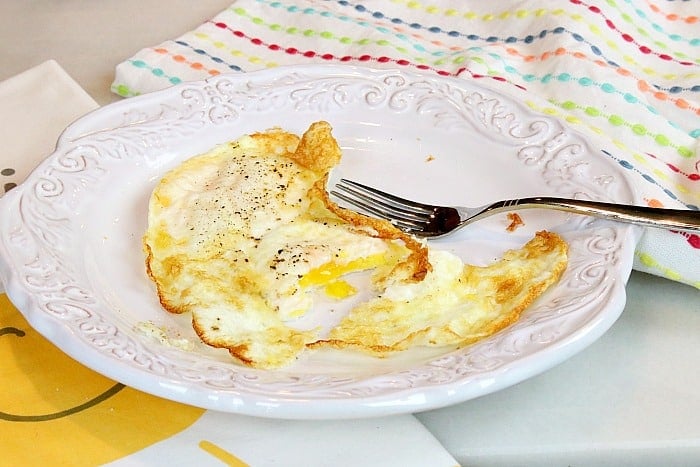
x,y
240,238
456,304
244,236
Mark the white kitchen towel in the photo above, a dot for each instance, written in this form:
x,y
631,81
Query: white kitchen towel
x,y
625,73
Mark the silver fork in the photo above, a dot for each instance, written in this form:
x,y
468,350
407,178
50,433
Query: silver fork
x,y
425,220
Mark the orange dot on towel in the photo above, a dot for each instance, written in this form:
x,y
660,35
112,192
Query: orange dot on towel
x,y
682,104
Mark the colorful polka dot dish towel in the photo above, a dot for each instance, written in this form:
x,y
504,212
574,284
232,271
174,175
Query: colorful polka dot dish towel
x,y
626,73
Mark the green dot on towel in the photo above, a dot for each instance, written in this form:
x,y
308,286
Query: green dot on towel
x,y
616,120
639,129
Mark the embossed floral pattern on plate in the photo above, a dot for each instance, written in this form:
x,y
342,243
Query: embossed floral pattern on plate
x,y
70,235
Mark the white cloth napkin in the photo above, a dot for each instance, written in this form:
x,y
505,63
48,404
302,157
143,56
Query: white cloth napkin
x,y
390,441
35,106
624,73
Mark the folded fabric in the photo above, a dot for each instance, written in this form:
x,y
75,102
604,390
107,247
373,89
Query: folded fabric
x,y
624,74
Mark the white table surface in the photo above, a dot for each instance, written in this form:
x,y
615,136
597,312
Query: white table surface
x,y
632,398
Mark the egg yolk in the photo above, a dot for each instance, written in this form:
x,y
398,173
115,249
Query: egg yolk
x,y
331,271
329,275
339,289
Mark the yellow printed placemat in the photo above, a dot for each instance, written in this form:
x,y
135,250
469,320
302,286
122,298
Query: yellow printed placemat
x,y
56,411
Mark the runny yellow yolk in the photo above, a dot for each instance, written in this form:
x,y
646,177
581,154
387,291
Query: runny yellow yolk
x,y
339,289
328,275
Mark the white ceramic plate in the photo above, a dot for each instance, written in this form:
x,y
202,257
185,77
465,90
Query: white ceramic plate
x,y
72,262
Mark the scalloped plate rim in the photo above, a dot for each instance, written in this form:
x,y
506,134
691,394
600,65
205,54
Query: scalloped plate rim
x,y
250,404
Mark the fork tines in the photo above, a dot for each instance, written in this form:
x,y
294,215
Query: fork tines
x,y
404,214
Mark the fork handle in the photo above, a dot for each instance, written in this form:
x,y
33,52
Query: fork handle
x,y
678,219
